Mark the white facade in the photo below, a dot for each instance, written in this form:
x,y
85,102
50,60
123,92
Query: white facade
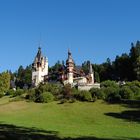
x,y
70,68
39,68
70,78
91,74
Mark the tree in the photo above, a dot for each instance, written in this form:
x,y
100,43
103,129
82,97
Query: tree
x,y
137,68
24,76
85,67
4,82
123,71
134,54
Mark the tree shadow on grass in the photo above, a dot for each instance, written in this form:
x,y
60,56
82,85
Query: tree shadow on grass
x,y
132,115
129,115
12,132
131,103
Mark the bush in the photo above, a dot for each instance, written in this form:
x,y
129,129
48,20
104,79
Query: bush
x,y
109,90
18,92
109,83
47,97
1,95
84,96
72,100
133,83
53,88
114,97
95,93
31,95
62,101
67,91
126,93
10,92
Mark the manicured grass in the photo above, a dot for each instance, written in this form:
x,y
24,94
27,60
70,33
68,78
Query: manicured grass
x,y
75,120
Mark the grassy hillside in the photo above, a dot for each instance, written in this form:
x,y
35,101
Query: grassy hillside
x,y
80,120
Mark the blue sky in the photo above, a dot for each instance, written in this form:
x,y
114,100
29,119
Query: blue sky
x,y
92,29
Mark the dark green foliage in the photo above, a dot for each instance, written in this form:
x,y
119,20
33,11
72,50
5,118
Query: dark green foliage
x,y
23,76
62,101
97,77
46,97
122,67
18,92
109,90
95,93
53,88
44,93
67,91
126,93
83,96
109,83
1,95
85,67
10,92
31,95
114,97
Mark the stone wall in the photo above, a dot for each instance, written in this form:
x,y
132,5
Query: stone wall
x,y
88,86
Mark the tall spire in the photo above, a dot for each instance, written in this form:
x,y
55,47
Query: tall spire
x,y
69,60
39,54
90,68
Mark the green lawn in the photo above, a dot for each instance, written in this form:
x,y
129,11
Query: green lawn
x,y
80,120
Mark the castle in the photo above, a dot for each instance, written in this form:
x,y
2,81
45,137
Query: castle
x,y
68,74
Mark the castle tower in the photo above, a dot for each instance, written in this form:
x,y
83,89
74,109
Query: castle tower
x,y
70,68
91,72
39,68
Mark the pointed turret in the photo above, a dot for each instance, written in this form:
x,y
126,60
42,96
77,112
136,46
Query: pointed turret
x,y
90,69
70,67
91,72
39,68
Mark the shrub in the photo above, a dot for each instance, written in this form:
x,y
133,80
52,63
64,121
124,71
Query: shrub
x,y
126,93
47,97
135,87
44,97
62,101
84,96
18,92
31,95
1,95
10,92
133,83
109,90
109,83
53,88
114,97
95,92
67,91
75,92
72,100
